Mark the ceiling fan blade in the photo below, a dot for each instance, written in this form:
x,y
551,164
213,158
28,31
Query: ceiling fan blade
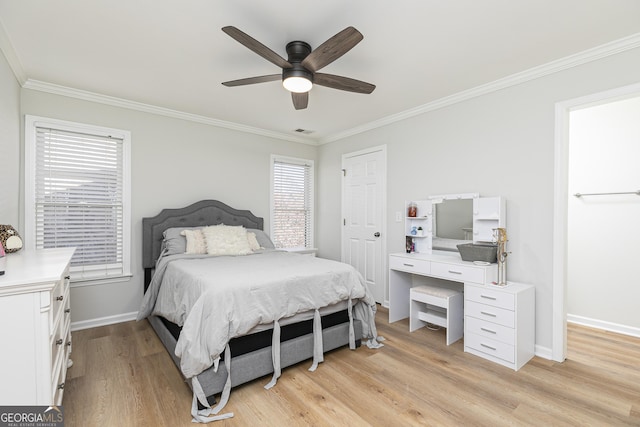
x,y
300,100
253,80
343,83
256,46
332,49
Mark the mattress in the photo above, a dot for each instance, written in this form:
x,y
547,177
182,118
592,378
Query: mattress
x,y
263,337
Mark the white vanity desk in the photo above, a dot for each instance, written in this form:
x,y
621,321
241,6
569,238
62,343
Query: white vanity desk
x,y
439,264
499,321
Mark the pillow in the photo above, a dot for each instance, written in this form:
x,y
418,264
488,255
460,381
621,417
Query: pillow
x,y
195,241
226,240
173,242
253,242
263,239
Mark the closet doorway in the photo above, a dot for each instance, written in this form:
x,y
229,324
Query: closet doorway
x,y
596,229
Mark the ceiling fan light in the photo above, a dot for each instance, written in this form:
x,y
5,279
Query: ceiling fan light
x,y
297,84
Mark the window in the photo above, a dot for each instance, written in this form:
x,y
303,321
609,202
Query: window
x,y
77,195
291,202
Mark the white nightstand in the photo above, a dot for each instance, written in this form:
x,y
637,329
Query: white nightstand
x,y
302,251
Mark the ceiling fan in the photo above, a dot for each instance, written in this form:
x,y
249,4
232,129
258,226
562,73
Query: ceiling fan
x,y
300,69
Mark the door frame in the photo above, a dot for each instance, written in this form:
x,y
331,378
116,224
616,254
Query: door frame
x,y
561,209
383,231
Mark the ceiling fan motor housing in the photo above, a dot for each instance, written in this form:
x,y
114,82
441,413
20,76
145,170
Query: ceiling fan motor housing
x,y
297,51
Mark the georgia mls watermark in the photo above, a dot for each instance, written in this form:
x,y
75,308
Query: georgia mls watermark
x,y
31,416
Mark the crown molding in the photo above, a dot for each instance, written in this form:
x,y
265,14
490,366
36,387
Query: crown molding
x,y
10,53
147,108
593,54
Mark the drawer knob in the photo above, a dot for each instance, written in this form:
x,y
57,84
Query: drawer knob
x,y
59,342
60,298
61,386
455,272
68,343
407,265
488,330
488,297
67,277
68,310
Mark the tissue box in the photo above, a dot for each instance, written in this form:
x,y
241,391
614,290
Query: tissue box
x,y
477,252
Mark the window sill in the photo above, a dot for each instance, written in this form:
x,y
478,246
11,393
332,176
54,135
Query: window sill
x,y
81,283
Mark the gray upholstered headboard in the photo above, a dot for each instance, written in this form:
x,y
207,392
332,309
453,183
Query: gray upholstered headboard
x,y
204,212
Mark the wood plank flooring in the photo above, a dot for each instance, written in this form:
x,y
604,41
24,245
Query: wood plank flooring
x,y
123,376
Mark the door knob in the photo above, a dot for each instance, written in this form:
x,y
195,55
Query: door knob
x,y
376,234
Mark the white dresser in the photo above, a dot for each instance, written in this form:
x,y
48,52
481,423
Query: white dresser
x,y
35,334
499,322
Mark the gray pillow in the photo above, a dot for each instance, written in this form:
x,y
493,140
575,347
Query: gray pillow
x,y
173,243
262,238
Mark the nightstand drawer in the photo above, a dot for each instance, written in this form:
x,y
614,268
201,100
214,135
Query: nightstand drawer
x,y
488,346
489,330
457,273
410,265
486,295
489,313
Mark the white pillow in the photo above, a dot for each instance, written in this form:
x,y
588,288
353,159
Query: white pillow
x,y
195,241
253,241
226,240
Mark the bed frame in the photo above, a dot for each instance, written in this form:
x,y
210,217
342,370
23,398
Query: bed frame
x,y
248,366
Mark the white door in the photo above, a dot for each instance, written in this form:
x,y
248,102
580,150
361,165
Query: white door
x,y
363,208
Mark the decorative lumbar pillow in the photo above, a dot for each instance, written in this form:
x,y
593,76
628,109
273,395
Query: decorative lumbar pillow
x,y
253,241
195,241
226,240
10,239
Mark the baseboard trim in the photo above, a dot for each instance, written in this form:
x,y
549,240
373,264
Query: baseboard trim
x,y
544,352
604,325
103,321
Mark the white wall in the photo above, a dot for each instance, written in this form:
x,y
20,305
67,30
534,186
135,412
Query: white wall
x,y
501,143
604,231
10,168
174,163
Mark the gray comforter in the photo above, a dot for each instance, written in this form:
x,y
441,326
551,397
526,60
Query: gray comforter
x,y
215,299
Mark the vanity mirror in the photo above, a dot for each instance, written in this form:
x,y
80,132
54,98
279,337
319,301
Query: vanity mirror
x,y
452,220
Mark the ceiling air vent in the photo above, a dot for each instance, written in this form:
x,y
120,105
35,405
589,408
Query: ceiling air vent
x,y
303,131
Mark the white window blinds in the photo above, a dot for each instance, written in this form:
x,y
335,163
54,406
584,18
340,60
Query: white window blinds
x,y
79,200
292,203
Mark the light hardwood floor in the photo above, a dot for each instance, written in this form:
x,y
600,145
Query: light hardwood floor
x,y
123,376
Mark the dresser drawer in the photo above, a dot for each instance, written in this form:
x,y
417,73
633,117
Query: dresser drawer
x,y
457,273
489,330
495,348
486,295
490,313
410,265
59,297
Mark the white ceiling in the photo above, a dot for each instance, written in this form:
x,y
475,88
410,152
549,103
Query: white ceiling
x,y
172,54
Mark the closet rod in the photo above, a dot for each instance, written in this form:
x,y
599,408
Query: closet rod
x,y
637,193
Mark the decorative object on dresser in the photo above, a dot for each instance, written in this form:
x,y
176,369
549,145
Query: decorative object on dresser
x,y
34,300
10,239
500,236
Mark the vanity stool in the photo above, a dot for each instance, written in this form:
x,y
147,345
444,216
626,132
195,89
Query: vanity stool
x,y
438,306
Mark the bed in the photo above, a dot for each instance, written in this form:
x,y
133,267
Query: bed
x,y
198,303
